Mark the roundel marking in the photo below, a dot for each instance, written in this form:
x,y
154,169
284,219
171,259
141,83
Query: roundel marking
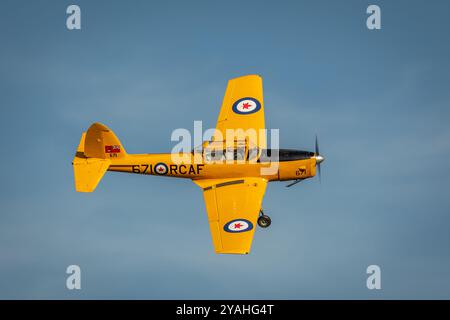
x,y
238,225
161,168
246,105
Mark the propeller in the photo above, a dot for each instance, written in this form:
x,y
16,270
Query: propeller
x,y
318,157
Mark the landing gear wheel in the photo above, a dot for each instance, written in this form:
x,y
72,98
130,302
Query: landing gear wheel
x,y
264,221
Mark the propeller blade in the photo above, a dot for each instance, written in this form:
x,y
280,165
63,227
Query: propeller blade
x,y
320,175
317,146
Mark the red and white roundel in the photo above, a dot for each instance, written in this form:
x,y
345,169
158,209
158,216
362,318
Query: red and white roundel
x,y
238,225
161,168
246,106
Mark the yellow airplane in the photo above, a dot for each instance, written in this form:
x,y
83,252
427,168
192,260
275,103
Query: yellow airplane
x,y
232,170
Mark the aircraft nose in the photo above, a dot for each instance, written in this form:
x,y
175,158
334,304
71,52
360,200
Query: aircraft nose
x,y
319,158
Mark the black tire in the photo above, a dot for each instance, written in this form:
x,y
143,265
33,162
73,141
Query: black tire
x,y
264,221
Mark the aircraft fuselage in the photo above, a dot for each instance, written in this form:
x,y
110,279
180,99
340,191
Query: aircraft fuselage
x,y
194,167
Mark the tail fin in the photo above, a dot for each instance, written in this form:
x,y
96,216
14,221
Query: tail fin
x,y
102,143
98,147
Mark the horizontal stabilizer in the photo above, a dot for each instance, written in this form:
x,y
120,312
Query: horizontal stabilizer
x,y
87,171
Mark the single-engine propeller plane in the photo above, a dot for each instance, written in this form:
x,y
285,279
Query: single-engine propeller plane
x,y
232,172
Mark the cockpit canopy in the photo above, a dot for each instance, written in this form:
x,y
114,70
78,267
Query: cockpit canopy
x,y
284,155
221,151
217,151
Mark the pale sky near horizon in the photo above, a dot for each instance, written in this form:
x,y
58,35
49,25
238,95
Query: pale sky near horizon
x,y
378,100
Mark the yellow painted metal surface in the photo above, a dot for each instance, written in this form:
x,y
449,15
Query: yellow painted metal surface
x,y
87,171
237,201
240,88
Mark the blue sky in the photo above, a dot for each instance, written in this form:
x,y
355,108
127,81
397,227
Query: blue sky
x,y
379,101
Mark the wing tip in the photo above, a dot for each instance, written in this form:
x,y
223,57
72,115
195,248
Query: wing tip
x,y
233,252
247,76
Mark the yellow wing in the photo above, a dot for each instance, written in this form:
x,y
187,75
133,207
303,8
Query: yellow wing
x,y
233,207
243,108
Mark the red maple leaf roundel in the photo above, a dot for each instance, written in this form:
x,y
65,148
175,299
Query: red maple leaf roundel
x,y
238,225
246,105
